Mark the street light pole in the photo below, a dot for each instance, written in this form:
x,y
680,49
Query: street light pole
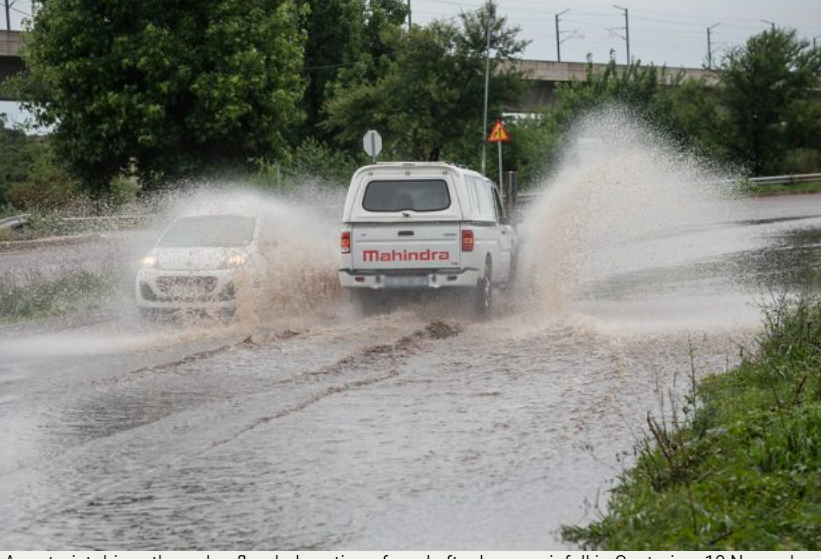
x,y
814,39
626,30
772,23
559,35
710,45
489,10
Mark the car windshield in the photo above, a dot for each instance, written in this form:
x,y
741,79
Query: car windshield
x,y
402,195
209,231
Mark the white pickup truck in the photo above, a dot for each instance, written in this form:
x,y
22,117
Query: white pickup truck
x,y
425,226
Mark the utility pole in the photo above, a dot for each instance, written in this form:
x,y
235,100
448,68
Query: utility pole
x,y
626,30
559,35
710,45
814,39
410,16
8,16
489,14
772,23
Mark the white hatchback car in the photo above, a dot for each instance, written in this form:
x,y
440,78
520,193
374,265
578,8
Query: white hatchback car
x,y
202,263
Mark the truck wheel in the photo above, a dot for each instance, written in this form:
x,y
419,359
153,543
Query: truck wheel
x,y
483,301
514,267
365,302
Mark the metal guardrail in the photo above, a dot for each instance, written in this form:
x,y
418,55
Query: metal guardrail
x,y
107,219
785,179
23,219
525,198
14,222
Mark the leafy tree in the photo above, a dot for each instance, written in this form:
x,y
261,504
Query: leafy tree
x,y
41,181
537,141
11,145
164,88
385,19
767,94
339,56
694,118
686,110
335,29
637,86
382,14
429,100
30,176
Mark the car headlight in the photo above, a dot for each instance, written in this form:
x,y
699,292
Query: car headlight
x,y
150,261
236,261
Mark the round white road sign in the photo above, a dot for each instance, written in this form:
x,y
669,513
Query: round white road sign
x,y
372,143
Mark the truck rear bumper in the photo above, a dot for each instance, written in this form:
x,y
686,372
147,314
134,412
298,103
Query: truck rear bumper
x,y
408,279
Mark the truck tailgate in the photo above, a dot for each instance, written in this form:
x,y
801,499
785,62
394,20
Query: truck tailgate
x,y
405,246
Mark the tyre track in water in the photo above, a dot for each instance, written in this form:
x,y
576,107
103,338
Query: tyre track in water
x,y
369,358
110,469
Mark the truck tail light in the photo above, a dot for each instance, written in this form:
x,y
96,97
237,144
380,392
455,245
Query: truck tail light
x,y
345,242
468,241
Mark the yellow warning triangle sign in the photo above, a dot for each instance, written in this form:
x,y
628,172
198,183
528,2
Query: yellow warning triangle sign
x,y
499,134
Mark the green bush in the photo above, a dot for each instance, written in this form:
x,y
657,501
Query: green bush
x,y
30,176
311,161
77,292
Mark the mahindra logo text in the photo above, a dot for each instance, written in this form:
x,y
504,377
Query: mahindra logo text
x,y
406,256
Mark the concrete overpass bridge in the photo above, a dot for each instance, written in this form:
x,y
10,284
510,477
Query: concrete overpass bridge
x,y
544,75
10,61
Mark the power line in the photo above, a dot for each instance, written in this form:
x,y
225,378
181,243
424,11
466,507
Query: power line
x,y
19,11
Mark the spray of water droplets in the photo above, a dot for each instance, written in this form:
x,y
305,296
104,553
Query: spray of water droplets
x,y
620,188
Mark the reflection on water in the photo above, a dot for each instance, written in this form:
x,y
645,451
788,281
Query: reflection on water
x,y
785,260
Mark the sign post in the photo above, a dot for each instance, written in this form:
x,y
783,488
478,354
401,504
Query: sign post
x,y
372,142
499,136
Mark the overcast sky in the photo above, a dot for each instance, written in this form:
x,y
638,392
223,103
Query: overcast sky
x,y
661,31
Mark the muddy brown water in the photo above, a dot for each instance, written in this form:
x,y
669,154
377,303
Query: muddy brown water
x,y
418,429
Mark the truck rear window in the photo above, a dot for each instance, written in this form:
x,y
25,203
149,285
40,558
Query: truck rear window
x,y
404,195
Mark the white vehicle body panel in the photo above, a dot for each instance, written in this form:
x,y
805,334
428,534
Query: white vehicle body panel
x,y
425,247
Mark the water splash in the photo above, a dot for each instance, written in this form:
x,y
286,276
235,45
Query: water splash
x,y
298,272
616,206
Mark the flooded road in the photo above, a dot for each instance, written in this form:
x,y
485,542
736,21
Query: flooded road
x,y
416,429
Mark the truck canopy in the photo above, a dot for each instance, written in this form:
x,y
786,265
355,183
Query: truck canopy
x,y
407,192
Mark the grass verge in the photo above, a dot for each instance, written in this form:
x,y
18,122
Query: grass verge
x,y
787,188
81,291
743,472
